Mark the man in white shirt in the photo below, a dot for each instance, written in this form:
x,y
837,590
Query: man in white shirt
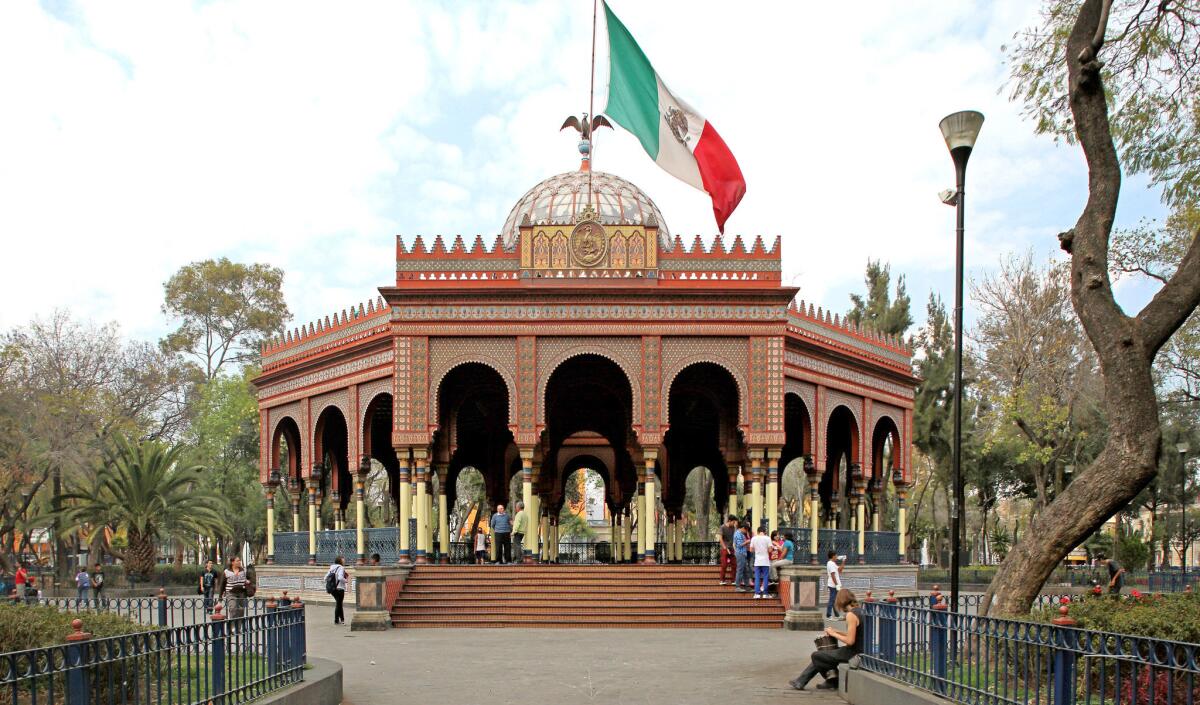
x,y
761,546
833,579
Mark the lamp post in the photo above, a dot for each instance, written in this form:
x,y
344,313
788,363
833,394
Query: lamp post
x,y
1183,449
960,131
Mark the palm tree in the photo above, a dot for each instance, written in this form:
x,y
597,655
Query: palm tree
x,y
144,490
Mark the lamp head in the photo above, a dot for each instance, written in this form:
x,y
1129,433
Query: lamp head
x,y
960,131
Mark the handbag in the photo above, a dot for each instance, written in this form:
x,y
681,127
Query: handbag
x,y
825,643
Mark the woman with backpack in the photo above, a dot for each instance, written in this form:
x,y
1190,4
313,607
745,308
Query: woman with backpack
x,y
335,584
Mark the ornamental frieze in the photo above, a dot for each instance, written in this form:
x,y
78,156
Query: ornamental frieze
x,y
856,343
325,375
576,312
730,353
337,337
447,353
625,352
845,373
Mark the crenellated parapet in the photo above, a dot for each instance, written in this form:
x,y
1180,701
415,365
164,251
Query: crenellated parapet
x,y
730,264
832,330
319,336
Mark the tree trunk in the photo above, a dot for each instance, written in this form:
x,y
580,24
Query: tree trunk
x,y
1125,347
140,555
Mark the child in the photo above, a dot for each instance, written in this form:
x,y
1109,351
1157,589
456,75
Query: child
x,y
480,546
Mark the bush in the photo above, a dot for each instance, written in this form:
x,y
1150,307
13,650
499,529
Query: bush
x,y
29,626
1174,617
164,574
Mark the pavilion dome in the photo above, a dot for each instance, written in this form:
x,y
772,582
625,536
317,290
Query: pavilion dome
x,y
559,199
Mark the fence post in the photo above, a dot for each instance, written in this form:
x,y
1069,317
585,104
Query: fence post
x,y
78,653
1065,639
162,607
272,638
218,654
870,646
939,619
301,639
887,628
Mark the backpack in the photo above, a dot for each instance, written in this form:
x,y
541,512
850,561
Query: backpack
x,y
331,581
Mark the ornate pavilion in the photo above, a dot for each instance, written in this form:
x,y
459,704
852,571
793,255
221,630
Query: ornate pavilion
x,y
585,336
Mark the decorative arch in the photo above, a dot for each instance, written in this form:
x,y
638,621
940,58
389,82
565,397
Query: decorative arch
x,y
279,413
339,400
616,249
678,362
834,399
625,354
498,354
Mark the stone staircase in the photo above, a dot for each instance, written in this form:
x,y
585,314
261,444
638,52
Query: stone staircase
x,y
578,596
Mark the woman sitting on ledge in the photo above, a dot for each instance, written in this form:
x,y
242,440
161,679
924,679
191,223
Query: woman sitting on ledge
x,y
826,662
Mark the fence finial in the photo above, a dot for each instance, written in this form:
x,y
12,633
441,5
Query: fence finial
x,y
77,633
1064,619
217,616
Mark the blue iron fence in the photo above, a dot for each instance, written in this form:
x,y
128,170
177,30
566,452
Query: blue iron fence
x,y
882,547
291,547
990,661
224,660
1172,581
160,611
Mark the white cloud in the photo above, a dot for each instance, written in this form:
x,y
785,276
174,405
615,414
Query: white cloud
x,y
138,137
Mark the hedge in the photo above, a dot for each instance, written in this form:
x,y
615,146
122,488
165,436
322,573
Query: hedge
x,y
1174,617
33,626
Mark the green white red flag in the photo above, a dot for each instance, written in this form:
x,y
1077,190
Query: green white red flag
x,y
675,136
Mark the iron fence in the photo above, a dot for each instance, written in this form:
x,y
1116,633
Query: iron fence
x,y
222,660
1173,581
991,661
881,547
160,611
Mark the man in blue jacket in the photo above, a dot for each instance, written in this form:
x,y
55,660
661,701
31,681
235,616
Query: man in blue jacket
x,y
502,528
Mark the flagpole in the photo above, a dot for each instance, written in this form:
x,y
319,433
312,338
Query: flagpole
x,y
591,102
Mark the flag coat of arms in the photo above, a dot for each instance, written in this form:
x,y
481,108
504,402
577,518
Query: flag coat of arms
x,y
673,133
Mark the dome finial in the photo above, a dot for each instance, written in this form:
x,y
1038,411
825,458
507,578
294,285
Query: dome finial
x,y
584,127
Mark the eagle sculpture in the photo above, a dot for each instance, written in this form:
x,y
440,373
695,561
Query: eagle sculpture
x,y
584,127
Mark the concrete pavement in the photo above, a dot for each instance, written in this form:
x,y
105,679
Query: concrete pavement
x,y
553,666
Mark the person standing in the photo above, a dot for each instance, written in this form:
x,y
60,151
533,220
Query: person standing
x,y
760,545
833,580
208,580
336,578
1116,576
480,545
520,525
21,582
98,584
826,662
741,544
83,583
726,558
235,588
502,528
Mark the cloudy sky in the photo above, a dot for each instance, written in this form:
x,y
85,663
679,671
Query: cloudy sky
x,y
137,137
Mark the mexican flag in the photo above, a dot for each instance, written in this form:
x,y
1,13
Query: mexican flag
x,y
675,136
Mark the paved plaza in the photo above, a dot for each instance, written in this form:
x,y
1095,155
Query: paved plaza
x,y
554,666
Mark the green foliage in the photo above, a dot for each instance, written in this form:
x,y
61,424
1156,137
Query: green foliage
x,y
146,492
1132,552
1150,72
30,626
164,574
226,309
1174,617
877,310
1001,542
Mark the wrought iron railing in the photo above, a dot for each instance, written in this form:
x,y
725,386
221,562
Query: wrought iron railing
x,y
882,547
222,661
1171,581
160,611
990,661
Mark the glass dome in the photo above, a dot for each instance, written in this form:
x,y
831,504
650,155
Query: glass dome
x,y
559,198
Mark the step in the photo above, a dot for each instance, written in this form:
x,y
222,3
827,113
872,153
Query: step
x,y
572,599
614,612
773,622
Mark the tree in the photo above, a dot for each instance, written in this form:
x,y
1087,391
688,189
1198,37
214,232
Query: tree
x,y
148,493
1151,78
1035,369
226,309
876,309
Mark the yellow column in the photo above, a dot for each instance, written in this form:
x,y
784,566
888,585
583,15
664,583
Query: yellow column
x,y
627,519
422,502
679,538
612,532
733,496
756,507
406,505
651,506
360,519
902,524
878,505
815,519
554,540
772,489
492,543
428,518
531,543
542,535
862,530
443,524
270,523
320,500
312,522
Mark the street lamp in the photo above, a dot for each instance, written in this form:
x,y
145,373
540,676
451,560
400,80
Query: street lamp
x,y
1183,449
960,131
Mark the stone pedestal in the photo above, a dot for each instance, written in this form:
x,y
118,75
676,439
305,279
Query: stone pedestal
x,y
804,594
376,588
